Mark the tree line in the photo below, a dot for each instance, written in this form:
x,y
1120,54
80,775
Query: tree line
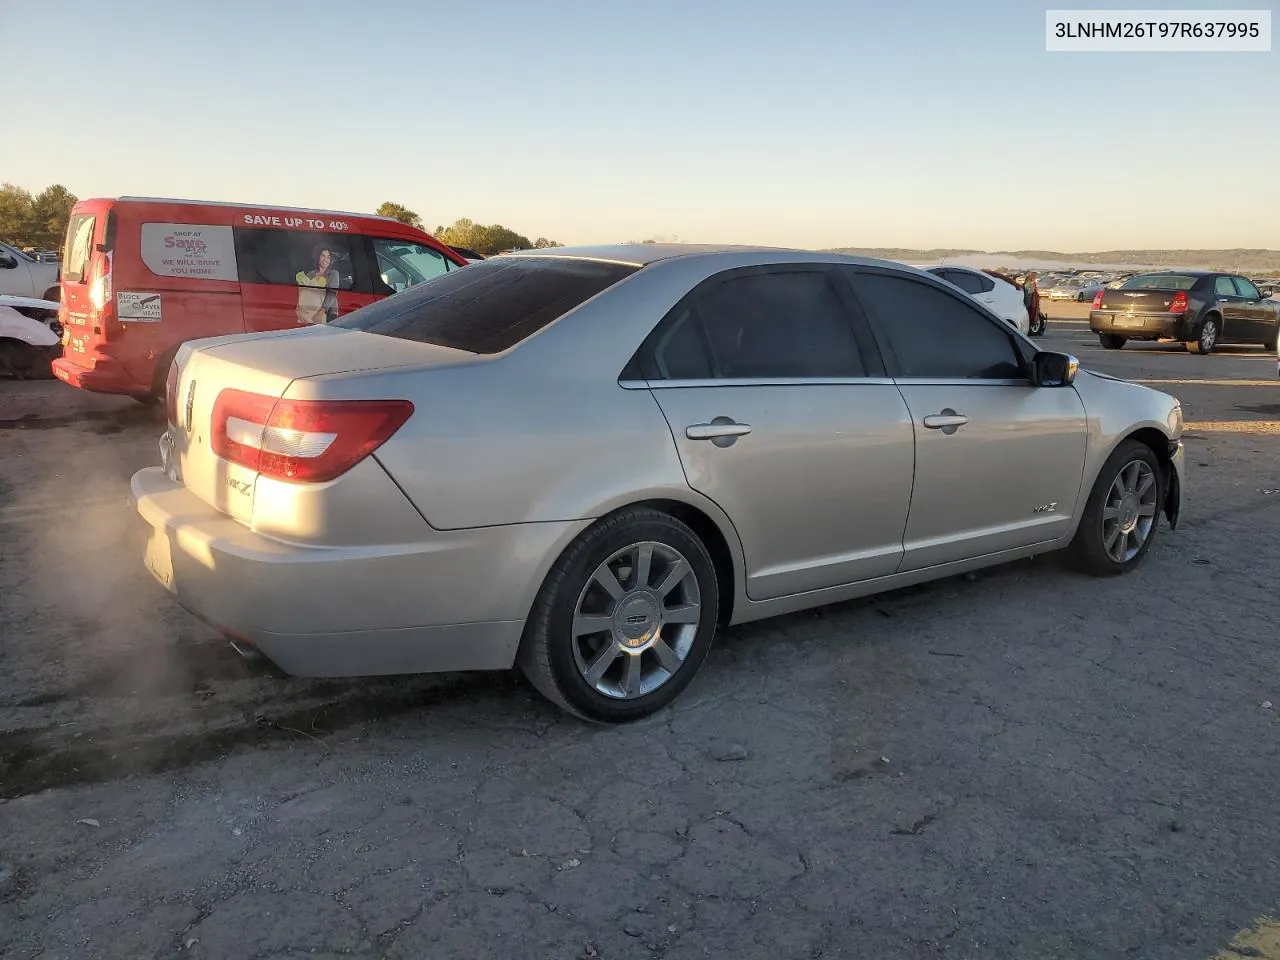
x,y
484,239
37,221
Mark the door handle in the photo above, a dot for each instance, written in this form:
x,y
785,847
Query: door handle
x,y
721,428
948,421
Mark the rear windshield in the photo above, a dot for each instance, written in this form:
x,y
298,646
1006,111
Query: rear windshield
x,y
489,306
1160,281
75,259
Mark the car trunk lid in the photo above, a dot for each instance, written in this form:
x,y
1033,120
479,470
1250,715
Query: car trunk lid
x,y
263,366
1137,301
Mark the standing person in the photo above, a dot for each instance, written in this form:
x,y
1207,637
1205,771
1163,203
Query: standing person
x,y
318,290
1031,300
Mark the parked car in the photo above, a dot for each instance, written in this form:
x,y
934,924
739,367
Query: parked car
x,y
30,337
1071,289
995,293
1200,308
23,276
143,276
581,461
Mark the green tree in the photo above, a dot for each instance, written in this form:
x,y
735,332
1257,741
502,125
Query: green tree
x,y
15,215
485,240
50,214
542,243
39,221
398,212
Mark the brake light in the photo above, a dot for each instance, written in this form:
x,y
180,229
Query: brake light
x,y
1097,300
171,394
1179,302
308,441
100,285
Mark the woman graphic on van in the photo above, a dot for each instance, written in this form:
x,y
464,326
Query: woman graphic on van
x,y
318,290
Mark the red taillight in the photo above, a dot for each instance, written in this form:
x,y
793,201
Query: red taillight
x,y
1179,302
1097,300
101,301
171,394
302,440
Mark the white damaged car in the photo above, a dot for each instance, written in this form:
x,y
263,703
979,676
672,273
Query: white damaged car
x,y
30,337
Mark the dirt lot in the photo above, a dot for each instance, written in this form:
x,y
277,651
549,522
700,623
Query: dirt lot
x,y
1026,764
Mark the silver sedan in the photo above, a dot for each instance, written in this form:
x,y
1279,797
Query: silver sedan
x,y
581,461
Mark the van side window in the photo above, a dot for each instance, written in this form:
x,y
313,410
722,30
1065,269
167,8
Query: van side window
x,y
296,258
403,263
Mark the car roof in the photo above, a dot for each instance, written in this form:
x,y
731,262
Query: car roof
x,y
643,254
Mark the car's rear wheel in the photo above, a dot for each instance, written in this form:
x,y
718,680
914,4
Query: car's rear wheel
x,y
53,295
624,619
1037,325
1122,513
1207,338
1112,341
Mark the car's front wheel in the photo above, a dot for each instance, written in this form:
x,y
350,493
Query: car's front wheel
x,y
1037,326
1112,341
1121,515
624,619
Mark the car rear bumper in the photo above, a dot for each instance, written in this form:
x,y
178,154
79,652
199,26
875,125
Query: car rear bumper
x,y
101,375
457,602
1139,326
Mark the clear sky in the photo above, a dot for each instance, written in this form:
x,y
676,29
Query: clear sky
x,y
893,123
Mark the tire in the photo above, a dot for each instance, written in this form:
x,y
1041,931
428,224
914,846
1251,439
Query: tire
x,y
562,656
1207,337
1037,326
1112,341
53,294
1102,546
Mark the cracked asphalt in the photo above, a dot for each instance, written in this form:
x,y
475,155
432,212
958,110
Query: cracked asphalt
x,y
1027,763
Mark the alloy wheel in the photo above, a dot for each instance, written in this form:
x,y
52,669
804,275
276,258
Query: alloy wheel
x,y
636,620
1129,512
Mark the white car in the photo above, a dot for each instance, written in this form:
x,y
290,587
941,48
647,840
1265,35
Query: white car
x,y
1001,298
30,337
23,276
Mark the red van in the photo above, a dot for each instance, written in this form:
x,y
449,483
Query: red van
x,y
141,276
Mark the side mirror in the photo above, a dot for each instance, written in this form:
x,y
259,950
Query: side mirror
x,y
1053,369
7,262
1267,292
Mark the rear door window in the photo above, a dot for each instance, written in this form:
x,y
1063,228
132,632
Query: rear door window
x,y
298,258
968,282
75,258
1223,287
491,305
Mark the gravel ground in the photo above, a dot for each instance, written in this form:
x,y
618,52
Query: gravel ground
x,y
1027,763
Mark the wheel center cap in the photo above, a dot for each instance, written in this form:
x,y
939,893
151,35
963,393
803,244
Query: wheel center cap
x,y
637,620
1129,512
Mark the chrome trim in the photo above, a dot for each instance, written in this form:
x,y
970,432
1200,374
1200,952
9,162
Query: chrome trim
x,y
752,382
959,382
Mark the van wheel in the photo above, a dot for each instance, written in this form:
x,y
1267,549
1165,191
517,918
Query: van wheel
x,y
1112,341
624,619
53,294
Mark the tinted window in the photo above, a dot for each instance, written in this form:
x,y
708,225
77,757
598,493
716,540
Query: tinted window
x,y
489,306
935,333
968,282
1247,289
402,263
680,351
785,324
1223,287
1160,281
296,258
75,259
